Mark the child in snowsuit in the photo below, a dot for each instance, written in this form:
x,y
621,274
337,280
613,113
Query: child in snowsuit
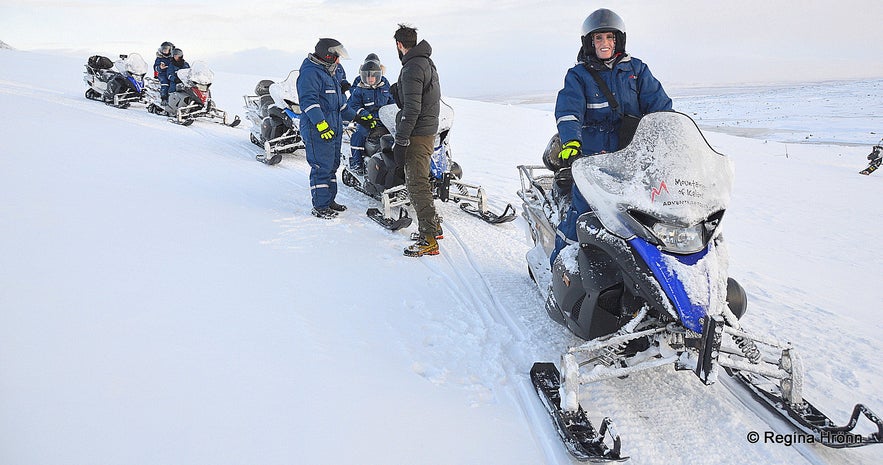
x,y
178,62
369,92
161,67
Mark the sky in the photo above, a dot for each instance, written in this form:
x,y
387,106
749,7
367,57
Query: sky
x,y
515,47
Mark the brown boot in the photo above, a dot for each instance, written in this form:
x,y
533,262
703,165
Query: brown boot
x,y
426,246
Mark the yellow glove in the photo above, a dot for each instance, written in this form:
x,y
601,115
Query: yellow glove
x,y
368,121
570,149
325,132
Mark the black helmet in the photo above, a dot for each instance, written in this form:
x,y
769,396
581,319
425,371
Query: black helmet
x,y
603,20
550,155
371,69
372,57
329,49
263,87
178,53
165,49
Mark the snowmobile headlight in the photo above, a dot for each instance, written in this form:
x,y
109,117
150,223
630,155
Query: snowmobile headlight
x,y
678,239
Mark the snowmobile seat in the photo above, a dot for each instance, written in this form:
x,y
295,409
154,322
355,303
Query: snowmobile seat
x,y
264,105
263,87
97,62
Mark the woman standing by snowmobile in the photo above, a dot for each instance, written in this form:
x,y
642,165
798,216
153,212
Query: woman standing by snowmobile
x,y
369,92
604,96
323,106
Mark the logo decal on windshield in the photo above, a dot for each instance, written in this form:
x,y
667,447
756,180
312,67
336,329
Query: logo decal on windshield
x,y
654,192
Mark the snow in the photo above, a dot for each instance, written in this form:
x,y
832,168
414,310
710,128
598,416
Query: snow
x,y
164,298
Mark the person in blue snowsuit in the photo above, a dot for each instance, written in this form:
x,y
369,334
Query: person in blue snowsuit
x,y
323,110
588,122
369,92
178,62
161,69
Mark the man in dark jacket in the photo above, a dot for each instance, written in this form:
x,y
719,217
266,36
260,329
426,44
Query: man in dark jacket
x,y
419,93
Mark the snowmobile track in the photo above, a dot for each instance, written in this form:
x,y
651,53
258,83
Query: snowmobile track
x,y
479,296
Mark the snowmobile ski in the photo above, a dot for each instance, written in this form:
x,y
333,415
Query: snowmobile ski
x,y
353,181
275,159
811,420
579,436
403,221
489,216
186,122
872,166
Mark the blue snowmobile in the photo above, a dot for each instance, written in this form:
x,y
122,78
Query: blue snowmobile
x,y
646,284
119,83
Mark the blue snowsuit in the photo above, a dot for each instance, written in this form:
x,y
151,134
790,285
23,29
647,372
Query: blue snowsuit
x,y
365,101
321,99
583,113
162,74
172,72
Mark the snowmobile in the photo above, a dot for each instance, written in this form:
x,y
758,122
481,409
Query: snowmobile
x,y
191,98
115,83
274,115
384,178
646,284
875,157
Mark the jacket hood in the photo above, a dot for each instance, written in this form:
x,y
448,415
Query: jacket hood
x,y
422,49
329,67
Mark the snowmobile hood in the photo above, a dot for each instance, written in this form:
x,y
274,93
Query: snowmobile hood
x,y
668,171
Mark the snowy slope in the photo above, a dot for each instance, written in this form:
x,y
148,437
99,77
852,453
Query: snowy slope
x,y
166,299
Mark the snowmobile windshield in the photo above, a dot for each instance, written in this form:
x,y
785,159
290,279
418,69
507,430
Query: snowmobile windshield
x,y
668,172
284,92
200,73
388,114
135,65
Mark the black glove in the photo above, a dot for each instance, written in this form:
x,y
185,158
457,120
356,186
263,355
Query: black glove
x,y
367,121
399,152
345,86
394,90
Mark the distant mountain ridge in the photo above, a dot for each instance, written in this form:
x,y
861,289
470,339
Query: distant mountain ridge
x,y
4,45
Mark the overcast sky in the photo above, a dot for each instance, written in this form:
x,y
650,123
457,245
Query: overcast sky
x,y
481,47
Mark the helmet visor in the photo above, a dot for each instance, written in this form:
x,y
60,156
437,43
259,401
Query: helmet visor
x,y
371,77
339,51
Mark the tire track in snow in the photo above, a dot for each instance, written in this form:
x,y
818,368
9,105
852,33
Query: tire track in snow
x,y
512,362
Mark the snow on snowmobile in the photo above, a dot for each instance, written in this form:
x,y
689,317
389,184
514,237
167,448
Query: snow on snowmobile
x,y
646,284
274,115
875,157
384,178
191,99
119,83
